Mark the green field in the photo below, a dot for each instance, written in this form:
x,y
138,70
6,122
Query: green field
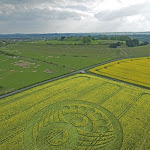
x,y
54,60
16,72
78,112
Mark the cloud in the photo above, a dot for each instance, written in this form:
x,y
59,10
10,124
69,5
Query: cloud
x,y
22,12
133,10
73,15
78,7
38,14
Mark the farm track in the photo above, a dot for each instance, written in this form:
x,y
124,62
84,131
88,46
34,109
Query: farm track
x,y
119,80
121,115
11,136
48,96
90,89
92,140
66,75
145,139
28,94
99,104
136,99
56,78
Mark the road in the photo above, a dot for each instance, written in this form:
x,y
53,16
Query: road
x,y
56,78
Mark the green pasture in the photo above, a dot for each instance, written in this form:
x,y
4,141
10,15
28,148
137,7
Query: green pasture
x,y
74,42
58,58
16,72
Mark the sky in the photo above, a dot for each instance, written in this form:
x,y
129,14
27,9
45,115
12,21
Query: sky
x,y
74,16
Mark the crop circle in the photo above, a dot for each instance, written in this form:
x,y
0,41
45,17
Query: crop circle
x,y
79,120
57,136
56,127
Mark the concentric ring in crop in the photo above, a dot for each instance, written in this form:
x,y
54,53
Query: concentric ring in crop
x,y
73,125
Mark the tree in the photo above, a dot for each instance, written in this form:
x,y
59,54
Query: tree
x,y
118,43
62,38
136,42
132,43
104,38
93,38
120,38
129,43
113,45
144,43
89,36
86,40
123,38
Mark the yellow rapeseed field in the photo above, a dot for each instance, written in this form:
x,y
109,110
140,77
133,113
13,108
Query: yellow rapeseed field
x,y
81,112
133,70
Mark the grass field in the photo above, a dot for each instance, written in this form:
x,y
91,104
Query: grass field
x,y
17,72
56,59
135,70
78,112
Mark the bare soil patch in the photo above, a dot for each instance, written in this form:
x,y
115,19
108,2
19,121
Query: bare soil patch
x,y
23,64
48,71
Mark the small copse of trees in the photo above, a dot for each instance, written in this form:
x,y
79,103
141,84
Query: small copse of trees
x,y
62,38
118,38
132,43
115,45
135,42
144,43
86,40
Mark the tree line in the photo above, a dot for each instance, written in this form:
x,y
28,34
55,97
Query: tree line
x,y
88,39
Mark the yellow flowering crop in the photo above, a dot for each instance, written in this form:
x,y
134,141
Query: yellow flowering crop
x,y
78,112
133,70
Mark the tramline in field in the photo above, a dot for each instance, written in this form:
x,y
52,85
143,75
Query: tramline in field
x,y
133,70
78,112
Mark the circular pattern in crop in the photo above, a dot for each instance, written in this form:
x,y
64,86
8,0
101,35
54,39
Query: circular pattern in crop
x,y
79,120
73,125
57,136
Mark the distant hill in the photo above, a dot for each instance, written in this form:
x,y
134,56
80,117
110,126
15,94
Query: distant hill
x,y
142,36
